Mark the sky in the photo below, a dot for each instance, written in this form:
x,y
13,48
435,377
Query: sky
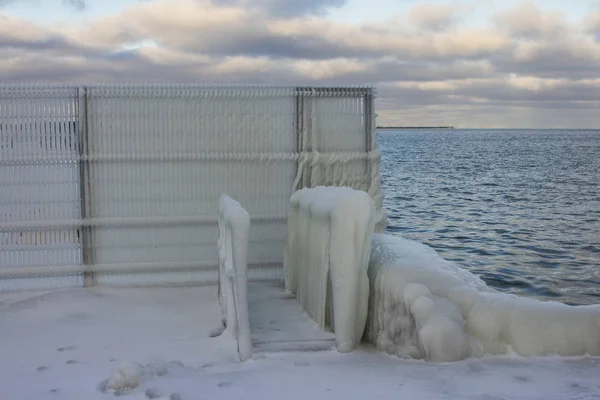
x,y
467,63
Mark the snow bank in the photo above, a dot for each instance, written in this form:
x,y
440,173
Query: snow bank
x,y
423,306
326,256
234,225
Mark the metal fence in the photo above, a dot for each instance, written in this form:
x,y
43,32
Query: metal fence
x,y
118,183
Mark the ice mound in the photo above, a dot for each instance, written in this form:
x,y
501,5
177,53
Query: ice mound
x,y
131,374
127,375
423,306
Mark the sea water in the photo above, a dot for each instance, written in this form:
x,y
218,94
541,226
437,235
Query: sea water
x,y
519,208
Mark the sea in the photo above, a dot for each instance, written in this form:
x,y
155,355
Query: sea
x,y
519,208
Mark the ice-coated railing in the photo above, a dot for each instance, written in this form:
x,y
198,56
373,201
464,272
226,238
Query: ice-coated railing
x,y
327,251
423,306
232,292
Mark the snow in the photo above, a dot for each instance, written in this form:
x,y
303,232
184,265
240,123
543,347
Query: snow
x,y
329,243
234,227
423,306
127,375
99,328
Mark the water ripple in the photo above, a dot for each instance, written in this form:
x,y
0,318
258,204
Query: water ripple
x,y
519,208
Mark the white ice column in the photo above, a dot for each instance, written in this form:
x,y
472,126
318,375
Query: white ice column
x,y
327,251
234,226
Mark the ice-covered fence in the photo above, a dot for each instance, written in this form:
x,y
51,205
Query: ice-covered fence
x,y
161,155
132,171
234,227
334,128
327,251
423,306
40,192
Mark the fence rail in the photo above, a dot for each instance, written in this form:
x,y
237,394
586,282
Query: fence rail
x,y
234,226
125,174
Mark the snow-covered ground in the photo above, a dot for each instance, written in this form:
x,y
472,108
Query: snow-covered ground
x,y
65,345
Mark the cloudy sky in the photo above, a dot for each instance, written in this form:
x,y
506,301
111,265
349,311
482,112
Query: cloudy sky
x,y
471,63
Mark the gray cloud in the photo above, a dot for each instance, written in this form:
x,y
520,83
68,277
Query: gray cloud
x,y
436,17
575,59
563,92
267,44
285,8
307,39
495,92
77,4
44,43
434,71
592,22
527,21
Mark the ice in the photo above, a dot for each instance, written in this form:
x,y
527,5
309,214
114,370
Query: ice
x,y
423,306
234,226
326,257
128,375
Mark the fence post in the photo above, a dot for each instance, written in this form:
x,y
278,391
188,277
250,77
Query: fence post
x,y
82,130
369,143
373,165
307,114
299,136
304,133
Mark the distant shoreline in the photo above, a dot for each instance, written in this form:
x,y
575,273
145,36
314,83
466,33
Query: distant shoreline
x,y
415,127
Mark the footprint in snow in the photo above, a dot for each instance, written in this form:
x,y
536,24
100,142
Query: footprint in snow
x,y
521,378
157,367
175,364
153,394
68,348
122,392
102,386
